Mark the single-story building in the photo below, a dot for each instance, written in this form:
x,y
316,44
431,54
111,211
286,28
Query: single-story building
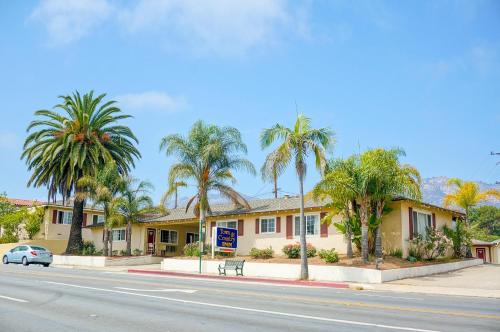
x,y
487,251
272,223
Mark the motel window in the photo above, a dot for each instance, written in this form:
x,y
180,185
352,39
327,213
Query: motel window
x,y
227,224
168,237
65,217
268,225
118,235
97,219
312,225
421,223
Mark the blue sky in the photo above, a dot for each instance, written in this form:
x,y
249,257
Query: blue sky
x,y
421,75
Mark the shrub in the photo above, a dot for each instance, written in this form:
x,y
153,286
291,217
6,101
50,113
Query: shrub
x,y
329,255
114,253
460,238
293,250
123,252
192,249
262,253
88,248
396,252
137,252
430,246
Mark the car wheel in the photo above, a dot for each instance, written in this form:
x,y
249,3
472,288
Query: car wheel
x,y
5,260
46,265
25,261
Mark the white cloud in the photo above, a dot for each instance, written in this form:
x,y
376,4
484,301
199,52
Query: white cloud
x,y
69,20
223,27
155,101
8,140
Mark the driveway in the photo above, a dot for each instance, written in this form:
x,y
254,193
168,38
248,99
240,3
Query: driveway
x,y
481,281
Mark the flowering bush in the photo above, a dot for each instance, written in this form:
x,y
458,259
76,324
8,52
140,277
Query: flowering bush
x,y
262,253
430,246
192,249
329,255
293,250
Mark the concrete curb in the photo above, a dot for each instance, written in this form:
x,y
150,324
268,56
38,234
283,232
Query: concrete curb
x,y
245,279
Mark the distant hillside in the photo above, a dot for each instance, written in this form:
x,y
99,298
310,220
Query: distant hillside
x,y
434,189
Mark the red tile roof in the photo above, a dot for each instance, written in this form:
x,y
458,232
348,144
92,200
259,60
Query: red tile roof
x,y
24,202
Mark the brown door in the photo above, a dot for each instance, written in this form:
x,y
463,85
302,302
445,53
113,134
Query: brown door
x,y
151,240
480,253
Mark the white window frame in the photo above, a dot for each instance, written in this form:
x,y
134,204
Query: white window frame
x,y
219,222
296,232
415,222
267,218
119,238
171,231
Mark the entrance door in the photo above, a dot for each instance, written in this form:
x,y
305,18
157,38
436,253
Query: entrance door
x,y
191,237
481,253
151,240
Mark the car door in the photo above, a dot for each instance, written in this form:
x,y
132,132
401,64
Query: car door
x,y
13,254
20,253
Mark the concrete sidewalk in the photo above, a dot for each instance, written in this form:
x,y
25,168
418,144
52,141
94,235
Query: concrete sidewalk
x,y
479,281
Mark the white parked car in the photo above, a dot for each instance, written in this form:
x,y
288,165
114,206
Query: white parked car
x,y
28,254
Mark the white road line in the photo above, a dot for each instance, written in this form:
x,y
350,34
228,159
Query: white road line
x,y
167,290
12,299
276,313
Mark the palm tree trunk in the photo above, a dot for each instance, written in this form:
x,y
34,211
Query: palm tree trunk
x,y
129,237
202,238
364,230
110,239
468,252
349,242
75,242
275,185
304,271
175,202
378,232
105,239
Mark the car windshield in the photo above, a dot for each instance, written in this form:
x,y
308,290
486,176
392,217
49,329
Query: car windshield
x,y
38,248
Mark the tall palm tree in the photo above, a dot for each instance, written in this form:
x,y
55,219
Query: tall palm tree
x,y
271,170
467,195
73,141
340,197
172,191
102,189
134,204
298,143
389,179
208,156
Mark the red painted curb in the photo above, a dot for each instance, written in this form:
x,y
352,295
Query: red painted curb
x,y
248,279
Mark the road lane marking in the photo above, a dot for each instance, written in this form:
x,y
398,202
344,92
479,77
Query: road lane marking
x,y
390,297
166,290
223,306
12,299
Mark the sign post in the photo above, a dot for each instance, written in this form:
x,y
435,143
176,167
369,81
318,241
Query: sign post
x,y
224,240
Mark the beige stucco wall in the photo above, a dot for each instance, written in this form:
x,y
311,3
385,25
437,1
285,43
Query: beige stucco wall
x,y
278,240
55,246
50,231
492,253
391,227
138,238
442,218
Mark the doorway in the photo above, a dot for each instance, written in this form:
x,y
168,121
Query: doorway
x,y
481,253
151,235
191,237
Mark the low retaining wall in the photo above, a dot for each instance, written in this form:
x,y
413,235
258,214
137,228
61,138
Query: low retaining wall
x,y
100,261
55,246
318,272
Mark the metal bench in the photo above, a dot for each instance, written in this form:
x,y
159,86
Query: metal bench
x,y
235,265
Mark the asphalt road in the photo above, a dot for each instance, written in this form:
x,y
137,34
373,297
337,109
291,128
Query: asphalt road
x,y
35,298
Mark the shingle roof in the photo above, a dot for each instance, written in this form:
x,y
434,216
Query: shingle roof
x,y
25,202
256,206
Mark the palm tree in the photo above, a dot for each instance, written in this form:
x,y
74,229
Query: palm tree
x,y
134,204
172,190
297,143
467,195
389,179
102,190
271,170
75,143
208,156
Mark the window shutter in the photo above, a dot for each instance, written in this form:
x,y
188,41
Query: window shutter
x,y
54,216
411,222
257,222
434,221
289,227
240,227
323,226
278,224
84,220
